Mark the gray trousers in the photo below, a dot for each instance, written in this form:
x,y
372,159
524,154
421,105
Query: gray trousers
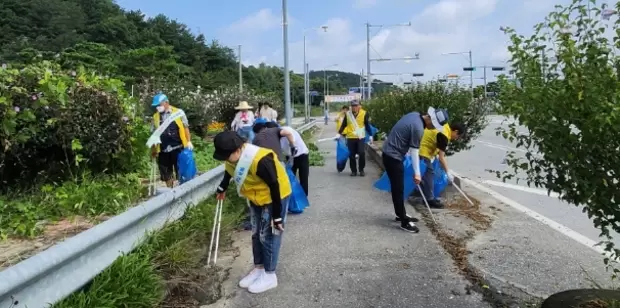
x,y
428,180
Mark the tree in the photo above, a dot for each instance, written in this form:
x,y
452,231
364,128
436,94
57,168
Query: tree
x,y
567,98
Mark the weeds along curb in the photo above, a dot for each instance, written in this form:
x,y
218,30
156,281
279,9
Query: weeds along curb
x,y
456,246
168,269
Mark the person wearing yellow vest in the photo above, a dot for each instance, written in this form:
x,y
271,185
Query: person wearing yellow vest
x,y
262,179
174,137
355,125
341,115
434,143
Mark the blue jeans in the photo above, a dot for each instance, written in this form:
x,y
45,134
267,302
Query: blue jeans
x,y
266,244
428,180
247,133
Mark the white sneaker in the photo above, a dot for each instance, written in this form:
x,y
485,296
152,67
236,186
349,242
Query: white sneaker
x,y
251,277
266,281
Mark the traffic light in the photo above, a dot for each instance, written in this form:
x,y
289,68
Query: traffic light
x,y
469,69
442,80
417,74
407,83
497,68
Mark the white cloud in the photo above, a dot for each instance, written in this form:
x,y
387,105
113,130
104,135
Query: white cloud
x,y
441,27
261,21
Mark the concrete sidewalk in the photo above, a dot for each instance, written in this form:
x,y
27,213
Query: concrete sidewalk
x,y
347,251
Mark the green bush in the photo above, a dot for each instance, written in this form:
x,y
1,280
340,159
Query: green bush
x,y
567,97
56,125
387,109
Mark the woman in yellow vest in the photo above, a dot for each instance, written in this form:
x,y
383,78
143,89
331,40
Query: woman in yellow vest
x,y
434,143
262,179
174,137
355,125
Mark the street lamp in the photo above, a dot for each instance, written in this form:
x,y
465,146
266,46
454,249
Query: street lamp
x,y
325,80
369,75
240,73
306,75
327,83
287,78
471,73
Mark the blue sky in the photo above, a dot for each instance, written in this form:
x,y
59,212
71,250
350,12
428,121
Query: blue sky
x,y
439,26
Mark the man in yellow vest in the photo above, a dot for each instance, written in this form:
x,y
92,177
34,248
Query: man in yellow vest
x,y
175,136
434,143
262,179
355,125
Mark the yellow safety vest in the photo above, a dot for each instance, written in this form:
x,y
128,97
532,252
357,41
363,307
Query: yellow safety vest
x,y
428,145
254,188
350,129
179,123
339,119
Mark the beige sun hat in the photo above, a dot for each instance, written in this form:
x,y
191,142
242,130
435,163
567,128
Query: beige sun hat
x,y
243,105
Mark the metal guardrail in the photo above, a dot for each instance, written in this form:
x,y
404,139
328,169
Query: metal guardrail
x,y
62,269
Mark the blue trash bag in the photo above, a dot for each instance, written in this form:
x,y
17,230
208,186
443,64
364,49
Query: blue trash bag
x,y
342,154
440,179
373,131
186,166
384,182
298,200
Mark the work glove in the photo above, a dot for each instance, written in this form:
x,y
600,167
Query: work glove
x,y
278,224
293,151
190,146
370,139
451,178
220,193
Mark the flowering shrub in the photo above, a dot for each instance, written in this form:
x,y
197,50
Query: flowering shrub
x,y
204,107
56,124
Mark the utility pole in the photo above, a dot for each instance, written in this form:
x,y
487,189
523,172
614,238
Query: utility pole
x,y
368,76
368,59
471,75
305,83
240,73
287,78
307,94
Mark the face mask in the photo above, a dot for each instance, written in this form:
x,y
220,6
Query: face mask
x,y
161,109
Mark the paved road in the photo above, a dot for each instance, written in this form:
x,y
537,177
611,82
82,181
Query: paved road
x,y
346,251
488,153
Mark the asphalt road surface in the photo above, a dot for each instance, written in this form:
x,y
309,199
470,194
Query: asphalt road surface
x,y
488,152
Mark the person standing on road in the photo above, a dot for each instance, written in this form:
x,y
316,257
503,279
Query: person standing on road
x,y
268,136
301,159
407,134
243,121
355,125
261,179
174,137
434,143
268,113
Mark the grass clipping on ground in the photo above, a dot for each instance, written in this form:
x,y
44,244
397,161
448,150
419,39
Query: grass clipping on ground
x,y
316,157
168,269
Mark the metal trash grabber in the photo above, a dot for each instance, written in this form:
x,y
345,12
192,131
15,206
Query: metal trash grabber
x,y
217,222
462,193
153,178
327,139
426,203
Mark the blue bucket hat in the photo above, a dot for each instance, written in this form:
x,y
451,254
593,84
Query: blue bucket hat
x,y
158,99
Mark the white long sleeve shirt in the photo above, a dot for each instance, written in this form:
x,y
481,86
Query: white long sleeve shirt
x,y
242,119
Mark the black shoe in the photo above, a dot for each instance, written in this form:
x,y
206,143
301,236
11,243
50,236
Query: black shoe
x,y
436,204
353,173
362,173
410,218
410,227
